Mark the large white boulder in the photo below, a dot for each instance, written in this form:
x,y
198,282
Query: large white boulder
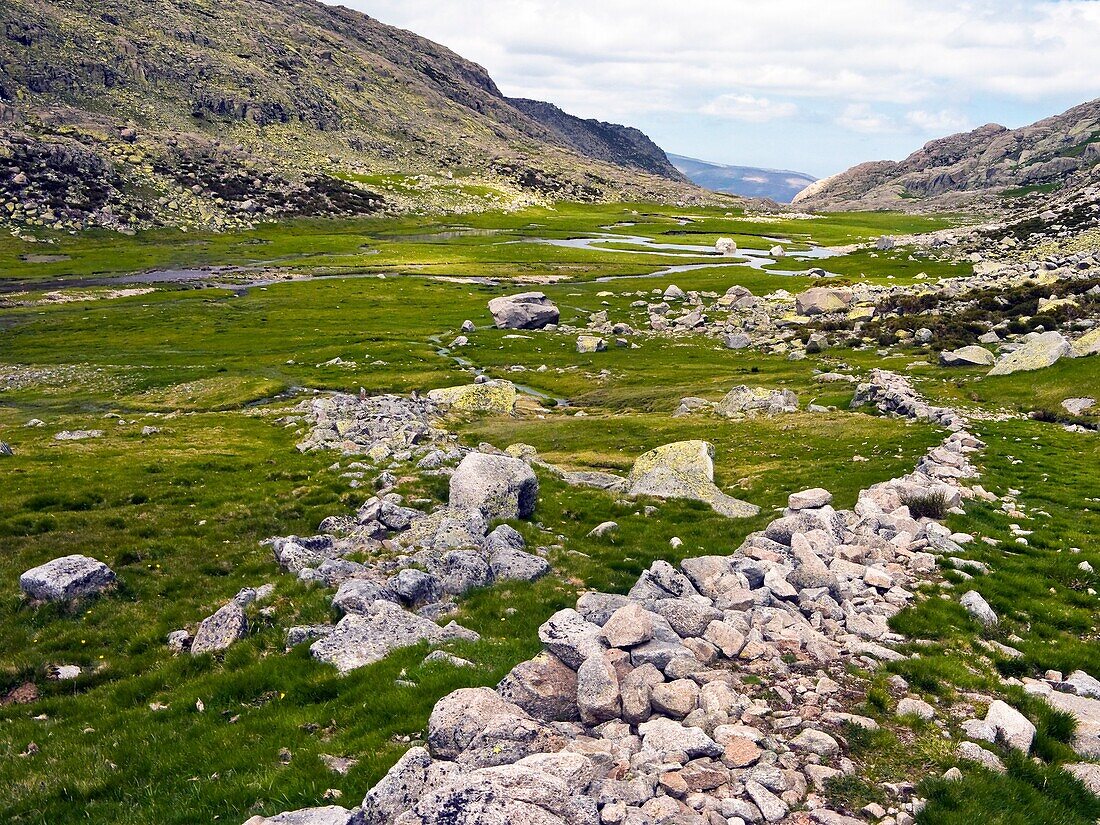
x,y
500,486
67,578
527,310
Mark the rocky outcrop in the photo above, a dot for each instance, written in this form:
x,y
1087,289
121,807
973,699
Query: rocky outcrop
x,y
67,578
966,169
1037,352
527,310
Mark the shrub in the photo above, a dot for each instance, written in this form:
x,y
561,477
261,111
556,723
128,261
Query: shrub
x,y
927,505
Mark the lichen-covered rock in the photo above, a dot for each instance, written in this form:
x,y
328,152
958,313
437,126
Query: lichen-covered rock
x,y
545,687
527,310
500,486
1087,344
330,815
219,631
684,469
497,397
749,400
822,300
590,343
973,356
363,638
67,578
1037,353
399,789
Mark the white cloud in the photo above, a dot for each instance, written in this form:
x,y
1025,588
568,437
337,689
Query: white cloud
x,y
899,69
748,108
942,122
858,117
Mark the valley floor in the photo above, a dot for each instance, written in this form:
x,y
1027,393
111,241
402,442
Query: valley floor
x,y
189,376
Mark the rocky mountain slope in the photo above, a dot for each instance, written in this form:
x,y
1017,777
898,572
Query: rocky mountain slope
x,y
778,185
978,168
610,142
204,114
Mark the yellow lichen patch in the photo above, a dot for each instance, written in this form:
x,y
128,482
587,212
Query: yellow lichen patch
x,y
493,397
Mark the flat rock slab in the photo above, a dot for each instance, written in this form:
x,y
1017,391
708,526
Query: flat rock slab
x,y
1040,352
685,469
67,578
1086,741
331,815
364,638
492,397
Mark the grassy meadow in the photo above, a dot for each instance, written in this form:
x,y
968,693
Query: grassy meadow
x,y
144,736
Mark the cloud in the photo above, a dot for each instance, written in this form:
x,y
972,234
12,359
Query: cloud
x,y
942,122
748,108
897,69
858,117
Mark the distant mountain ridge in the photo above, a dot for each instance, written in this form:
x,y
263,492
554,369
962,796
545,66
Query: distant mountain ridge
x,y
971,169
211,113
621,145
747,181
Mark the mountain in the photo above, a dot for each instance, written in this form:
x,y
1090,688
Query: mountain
x,y
973,169
214,113
746,181
610,142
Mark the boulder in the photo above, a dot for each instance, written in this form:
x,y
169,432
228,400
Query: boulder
x,y
745,399
822,301
1088,773
363,638
527,310
598,697
590,343
725,246
329,815
497,397
1078,406
517,565
684,469
459,717
545,687
219,631
1087,344
499,486
1011,726
978,608
809,499
973,356
503,795
67,578
1038,353
399,789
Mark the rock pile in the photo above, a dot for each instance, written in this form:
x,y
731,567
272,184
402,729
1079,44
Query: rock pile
x,y
639,711
380,426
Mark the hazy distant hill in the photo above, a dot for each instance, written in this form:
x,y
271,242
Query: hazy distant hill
x,y
747,181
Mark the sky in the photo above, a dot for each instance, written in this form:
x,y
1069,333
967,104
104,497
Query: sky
x,y
808,85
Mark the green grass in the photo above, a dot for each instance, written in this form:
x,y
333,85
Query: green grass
x,y
180,514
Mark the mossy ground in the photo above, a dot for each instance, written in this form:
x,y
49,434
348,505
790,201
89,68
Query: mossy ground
x,y
180,514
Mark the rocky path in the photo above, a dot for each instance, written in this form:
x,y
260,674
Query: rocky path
x,y
718,692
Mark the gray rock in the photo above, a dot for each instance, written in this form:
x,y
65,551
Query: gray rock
x,y
667,736
527,310
460,717
219,631
967,357
815,741
1078,406
1041,351
976,753
629,626
517,565
916,707
822,300
571,638
415,587
359,595
750,400
363,638
544,687
684,469
67,578
499,486
1012,727
979,608
447,528
809,499
399,789
598,697
771,806
330,815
